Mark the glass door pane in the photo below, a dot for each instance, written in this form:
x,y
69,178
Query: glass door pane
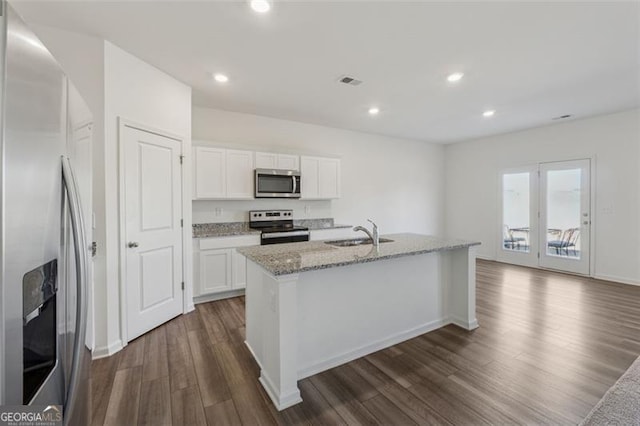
x,y
518,226
565,215
516,219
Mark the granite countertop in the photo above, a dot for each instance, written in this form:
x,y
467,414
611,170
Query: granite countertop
x,y
228,229
282,259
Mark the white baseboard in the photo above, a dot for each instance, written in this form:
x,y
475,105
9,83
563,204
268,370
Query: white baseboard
x,y
218,296
615,279
281,402
370,348
105,351
467,325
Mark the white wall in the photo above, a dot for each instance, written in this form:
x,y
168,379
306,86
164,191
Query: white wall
x,y
613,141
396,182
140,93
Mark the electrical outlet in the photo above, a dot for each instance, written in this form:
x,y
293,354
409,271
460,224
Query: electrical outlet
x,y
307,209
219,211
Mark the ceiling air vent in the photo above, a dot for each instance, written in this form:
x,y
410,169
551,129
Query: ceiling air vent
x,y
351,81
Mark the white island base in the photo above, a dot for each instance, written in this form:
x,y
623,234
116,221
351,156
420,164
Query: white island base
x,y
300,324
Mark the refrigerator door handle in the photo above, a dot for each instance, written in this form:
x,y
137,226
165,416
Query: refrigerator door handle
x,y
80,250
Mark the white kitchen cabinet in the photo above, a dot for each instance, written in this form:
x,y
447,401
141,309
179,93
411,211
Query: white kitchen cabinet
x,y
271,160
239,179
220,174
209,173
320,178
218,267
215,271
288,162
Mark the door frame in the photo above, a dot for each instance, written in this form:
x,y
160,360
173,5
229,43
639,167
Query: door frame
x,y
592,158
553,263
187,294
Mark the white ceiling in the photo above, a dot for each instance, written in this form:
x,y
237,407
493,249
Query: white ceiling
x,y
528,61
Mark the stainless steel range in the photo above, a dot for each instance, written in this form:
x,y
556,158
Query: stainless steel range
x,y
277,227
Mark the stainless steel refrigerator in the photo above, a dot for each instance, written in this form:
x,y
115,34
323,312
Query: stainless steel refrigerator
x,y
44,359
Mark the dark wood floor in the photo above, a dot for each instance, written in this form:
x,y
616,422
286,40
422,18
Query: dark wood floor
x,y
548,347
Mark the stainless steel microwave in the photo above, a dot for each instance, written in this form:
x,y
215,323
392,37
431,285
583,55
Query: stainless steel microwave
x,y
274,183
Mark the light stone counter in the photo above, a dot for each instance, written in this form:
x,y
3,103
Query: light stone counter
x,y
282,259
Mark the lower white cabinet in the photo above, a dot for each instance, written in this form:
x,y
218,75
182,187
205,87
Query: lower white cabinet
x,y
215,271
218,267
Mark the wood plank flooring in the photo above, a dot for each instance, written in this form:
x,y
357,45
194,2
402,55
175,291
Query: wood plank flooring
x,y
548,347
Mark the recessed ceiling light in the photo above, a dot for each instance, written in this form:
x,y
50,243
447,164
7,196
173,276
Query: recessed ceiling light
x,y
260,6
220,78
374,111
455,77
489,113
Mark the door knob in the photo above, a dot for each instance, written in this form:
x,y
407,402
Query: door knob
x,y
132,244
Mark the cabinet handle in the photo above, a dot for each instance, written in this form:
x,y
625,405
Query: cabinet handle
x,y
132,244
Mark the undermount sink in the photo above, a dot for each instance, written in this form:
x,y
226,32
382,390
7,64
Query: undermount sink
x,y
355,242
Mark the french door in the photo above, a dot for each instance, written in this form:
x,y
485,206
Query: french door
x,y
546,216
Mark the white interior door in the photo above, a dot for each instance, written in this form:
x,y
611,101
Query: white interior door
x,y
565,216
153,234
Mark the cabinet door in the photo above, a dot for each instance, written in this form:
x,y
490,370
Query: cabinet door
x,y
239,174
266,160
288,162
215,271
329,178
239,270
209,173
309,177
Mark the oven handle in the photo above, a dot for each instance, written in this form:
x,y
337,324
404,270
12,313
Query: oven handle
x,y
284,234
295,184
80,252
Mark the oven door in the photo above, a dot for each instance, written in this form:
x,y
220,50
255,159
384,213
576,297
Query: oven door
x,y
277,183
283,237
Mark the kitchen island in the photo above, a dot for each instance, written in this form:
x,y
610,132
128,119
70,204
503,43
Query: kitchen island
x,y
312,306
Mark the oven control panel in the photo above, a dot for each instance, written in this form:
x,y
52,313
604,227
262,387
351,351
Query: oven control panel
x,y
270,215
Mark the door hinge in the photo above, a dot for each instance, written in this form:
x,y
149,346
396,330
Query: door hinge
x,y
181,159
538,255
93,249
181,223
182,285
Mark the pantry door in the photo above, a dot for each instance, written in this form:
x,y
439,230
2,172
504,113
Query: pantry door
x,y
153,233
565,216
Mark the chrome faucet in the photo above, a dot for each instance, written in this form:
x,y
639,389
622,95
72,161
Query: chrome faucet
x,y
375,237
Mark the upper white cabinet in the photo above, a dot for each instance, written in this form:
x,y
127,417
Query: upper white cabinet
x,y
222,174
239,174
209,173
228,174
270,160
320,178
